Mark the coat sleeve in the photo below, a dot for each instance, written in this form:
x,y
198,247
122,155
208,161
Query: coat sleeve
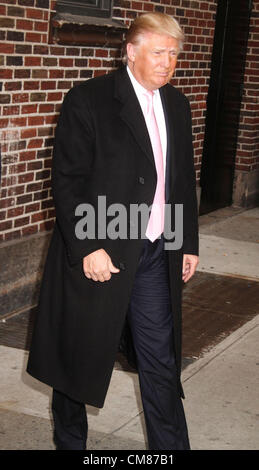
x,y
190,207
71,172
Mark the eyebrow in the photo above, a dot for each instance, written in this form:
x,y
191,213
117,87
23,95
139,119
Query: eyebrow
x,y
162,49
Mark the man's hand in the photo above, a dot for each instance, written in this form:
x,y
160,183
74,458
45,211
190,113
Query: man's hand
x,y
190,263
98,266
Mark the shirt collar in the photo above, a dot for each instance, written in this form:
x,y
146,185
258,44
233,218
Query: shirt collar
x,y
137,86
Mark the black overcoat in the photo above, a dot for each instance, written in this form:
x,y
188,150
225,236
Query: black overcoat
x,y
102,148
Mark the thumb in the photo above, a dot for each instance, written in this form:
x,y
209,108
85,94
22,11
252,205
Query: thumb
x,y
113,268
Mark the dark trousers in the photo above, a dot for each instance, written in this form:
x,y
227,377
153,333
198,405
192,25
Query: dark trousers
x,y
151,322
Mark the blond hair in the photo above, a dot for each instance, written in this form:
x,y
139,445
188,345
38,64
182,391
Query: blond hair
x,y
158,23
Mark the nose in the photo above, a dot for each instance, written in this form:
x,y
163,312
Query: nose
x,y
166,60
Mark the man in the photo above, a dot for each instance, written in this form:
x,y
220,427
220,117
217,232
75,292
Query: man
x,y
125,137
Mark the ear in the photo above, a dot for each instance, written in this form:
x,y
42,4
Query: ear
x,y
131,52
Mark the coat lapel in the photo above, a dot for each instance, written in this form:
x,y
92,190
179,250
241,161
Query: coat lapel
x,y
170,113
131,112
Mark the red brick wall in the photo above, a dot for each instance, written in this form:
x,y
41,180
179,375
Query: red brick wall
x,y
35,76
246,183
247,158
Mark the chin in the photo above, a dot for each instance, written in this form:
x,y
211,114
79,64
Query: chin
x,y
162,82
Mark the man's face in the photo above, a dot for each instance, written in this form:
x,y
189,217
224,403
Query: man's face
x,y
153,61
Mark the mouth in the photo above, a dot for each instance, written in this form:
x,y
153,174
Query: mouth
x,y
163,74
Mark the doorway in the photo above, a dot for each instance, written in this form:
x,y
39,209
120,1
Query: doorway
x,y
223,103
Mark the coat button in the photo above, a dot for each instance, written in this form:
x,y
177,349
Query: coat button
x,y
122,266
141,180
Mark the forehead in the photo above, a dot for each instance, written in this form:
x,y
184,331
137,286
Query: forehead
x,y
155,40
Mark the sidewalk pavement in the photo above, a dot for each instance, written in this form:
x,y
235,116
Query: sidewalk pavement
x,y
221,387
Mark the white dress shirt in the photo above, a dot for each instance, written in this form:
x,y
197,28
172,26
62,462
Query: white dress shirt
x,y
158,110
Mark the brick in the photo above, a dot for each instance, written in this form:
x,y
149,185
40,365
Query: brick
x,y
57,50
35,121
15,11
86,73
25,25
75,51
44,153
32,208
28,155
7,23
11,86
29,108
50,62
47,204
9,110
24,178
19,122
6,48
38,97
64,85
14,60
66,62
35,143
87,52
42,3
30,230
38,217
101,53
15,212
48,85
46,108
2,215
37,165
49,142
23,49
54,96
32,37
15,36
14,190
27,3
8,202
4,99
82,62
20,73
32,187
40,73
51,119
21,221
27,133
20,97
41,175
31,85
40,50
95,63
38,196
45,131
7,225
56,73
72,73
32,61
34,13
41,26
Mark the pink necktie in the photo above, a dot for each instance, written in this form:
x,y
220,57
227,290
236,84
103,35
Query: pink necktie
x,y
156,221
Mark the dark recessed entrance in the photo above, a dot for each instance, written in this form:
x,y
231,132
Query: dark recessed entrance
x,y
223,103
